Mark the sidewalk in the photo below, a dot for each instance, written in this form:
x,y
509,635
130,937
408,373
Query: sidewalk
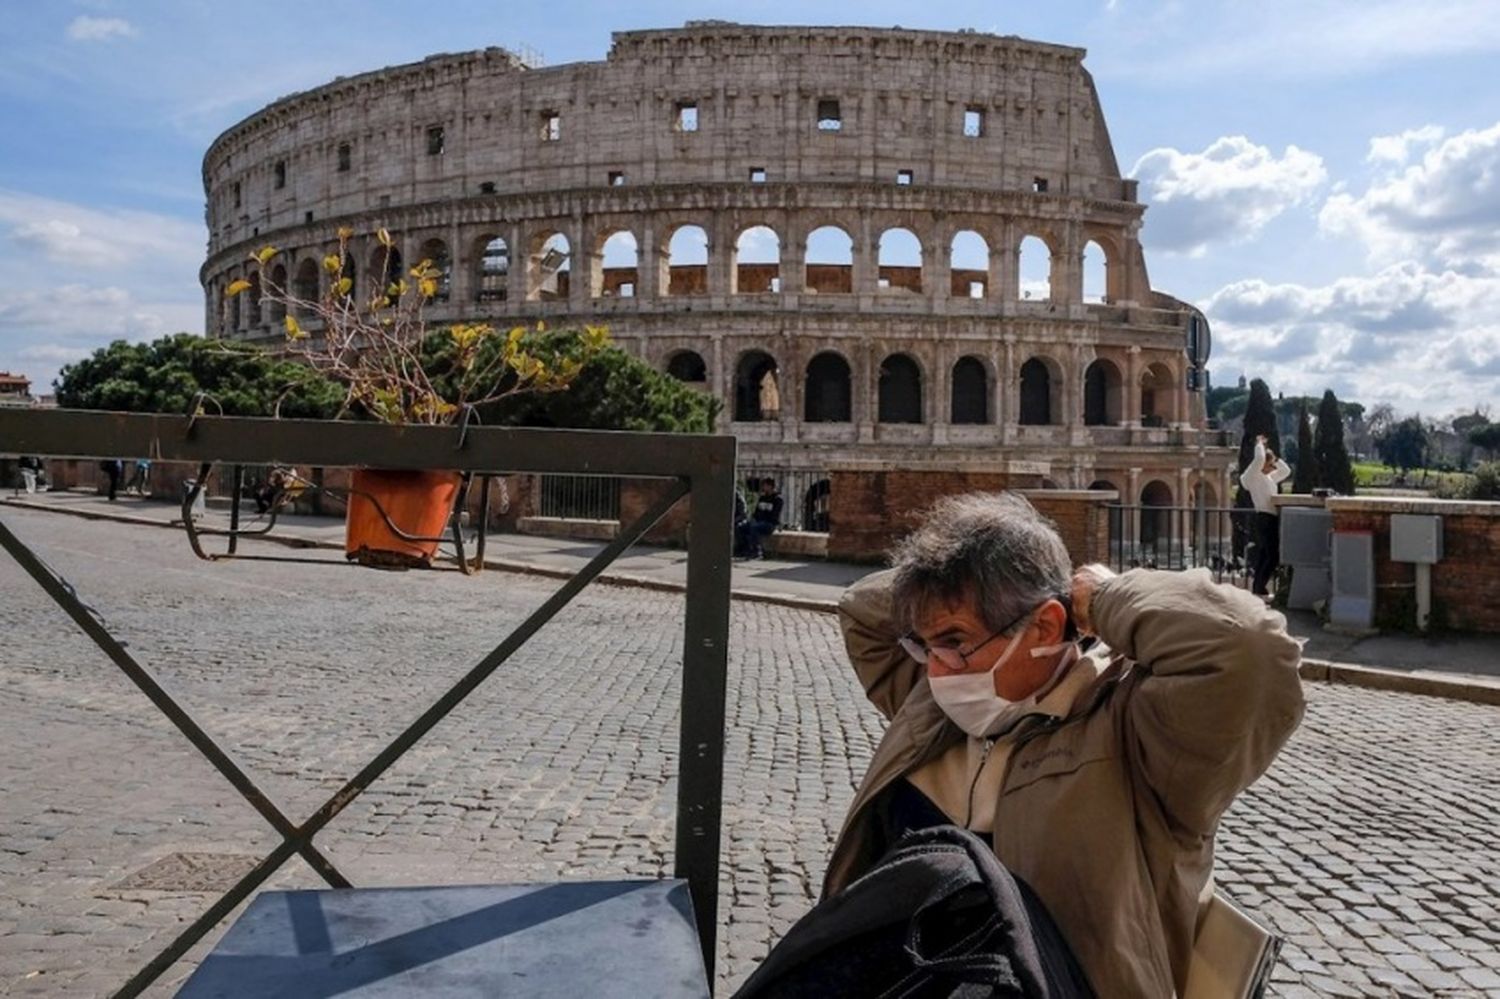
x,y
1466,666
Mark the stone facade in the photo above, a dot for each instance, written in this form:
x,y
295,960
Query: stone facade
x,y
732,201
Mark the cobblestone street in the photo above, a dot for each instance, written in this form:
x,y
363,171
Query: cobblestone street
x,y
1373,844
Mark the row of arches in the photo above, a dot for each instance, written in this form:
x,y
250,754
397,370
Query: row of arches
x,y
828,390
828,262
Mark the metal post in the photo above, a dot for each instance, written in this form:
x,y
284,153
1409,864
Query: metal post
x,y
237,487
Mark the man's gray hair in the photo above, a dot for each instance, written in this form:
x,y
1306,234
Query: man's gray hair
x,y
993,547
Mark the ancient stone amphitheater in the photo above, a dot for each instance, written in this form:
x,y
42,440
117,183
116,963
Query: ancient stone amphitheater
x,y
885,248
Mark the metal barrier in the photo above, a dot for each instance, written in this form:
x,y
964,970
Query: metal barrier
x,y
805,495
579,497
1180,537
701,466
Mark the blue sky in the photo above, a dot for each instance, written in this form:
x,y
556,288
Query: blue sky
x,y
1323,175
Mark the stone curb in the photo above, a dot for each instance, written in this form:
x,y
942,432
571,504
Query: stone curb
x,y
1475,690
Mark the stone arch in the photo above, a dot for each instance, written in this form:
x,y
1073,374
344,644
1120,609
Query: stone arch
x,y
1158,395
492,277
687,260
827,395
550,267
1041,391
307,287
756,264
688,366
1095,273
386,265
899,261
1102,394
1034,258
236,312
970,391
616,265
828,262
253,295
1156,519
435,251
757,388
900,390
969,265
278,290
1104,484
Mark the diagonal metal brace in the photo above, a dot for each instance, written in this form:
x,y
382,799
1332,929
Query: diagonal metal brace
x,y
301,837
61,591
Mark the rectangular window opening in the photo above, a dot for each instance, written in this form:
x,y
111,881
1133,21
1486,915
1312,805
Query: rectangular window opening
x,y
903,178
435,140
307,217
627,289
487,187
776,285
829,118
687,116
346,157
974,122
280,172
757,175
976,289
551,126
1039,185
616,178
236,194
883,282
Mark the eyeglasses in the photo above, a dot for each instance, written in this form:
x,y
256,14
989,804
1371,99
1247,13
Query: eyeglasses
x,y
954,659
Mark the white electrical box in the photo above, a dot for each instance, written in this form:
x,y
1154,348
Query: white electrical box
x,y
1416,538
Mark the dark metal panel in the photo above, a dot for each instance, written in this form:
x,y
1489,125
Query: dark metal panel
x,y
330,443
704,679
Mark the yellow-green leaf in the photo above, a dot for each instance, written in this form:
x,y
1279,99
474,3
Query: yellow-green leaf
x,y
235,287
333,263
265,254
384,235
293,330
344,286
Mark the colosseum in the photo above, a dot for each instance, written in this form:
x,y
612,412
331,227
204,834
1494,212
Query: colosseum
x,y
877,247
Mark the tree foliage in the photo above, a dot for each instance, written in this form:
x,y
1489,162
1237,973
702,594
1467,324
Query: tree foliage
x,y
1404,444
165,375
1486,436
1308,473
1331,457
1260,419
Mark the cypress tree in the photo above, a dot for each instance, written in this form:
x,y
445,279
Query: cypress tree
x,y
1260,420
1308,473
1336,471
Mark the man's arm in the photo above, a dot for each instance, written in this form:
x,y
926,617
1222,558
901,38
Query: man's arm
x,y
1222,694
872,637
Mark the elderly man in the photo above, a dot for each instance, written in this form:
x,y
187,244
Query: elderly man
x,y
1098,777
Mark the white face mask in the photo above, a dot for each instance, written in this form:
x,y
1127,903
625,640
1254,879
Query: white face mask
x,y
969,699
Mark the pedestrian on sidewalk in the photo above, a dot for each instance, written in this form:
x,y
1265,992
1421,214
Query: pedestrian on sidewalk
x,y
114,468
1262,479
1097,774
764,519
31,472
140,478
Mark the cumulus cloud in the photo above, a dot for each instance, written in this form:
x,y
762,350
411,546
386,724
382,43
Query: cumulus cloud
x,y
84,28
1446,205
1227,193
1424,339
1397,149
94,313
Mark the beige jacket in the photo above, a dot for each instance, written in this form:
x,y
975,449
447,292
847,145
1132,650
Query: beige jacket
x,y
1110,813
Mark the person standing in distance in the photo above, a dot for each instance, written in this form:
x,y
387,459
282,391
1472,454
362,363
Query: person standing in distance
x,y
1261,479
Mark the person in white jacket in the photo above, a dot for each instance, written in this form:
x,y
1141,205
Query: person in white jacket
x,y
1261,479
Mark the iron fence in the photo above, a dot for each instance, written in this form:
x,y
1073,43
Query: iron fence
x,y
805,495
697,465
1180,537
579,497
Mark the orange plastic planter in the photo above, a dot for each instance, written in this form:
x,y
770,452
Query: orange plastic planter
x,y
419,503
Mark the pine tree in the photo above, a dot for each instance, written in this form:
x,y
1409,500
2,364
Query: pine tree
x,y
1336,471
1309,473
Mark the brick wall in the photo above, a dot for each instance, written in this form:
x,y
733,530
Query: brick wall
x,y
1081,519
636,495
870,509
1465,582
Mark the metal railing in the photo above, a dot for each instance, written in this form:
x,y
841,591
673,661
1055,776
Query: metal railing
x,y
1180,537
805,494
698,465
579,497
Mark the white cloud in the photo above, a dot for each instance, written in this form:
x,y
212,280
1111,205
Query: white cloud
x,y
84,28
1227,193
1397,149
95,313
78,236
53,353
1446,205
1423,339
